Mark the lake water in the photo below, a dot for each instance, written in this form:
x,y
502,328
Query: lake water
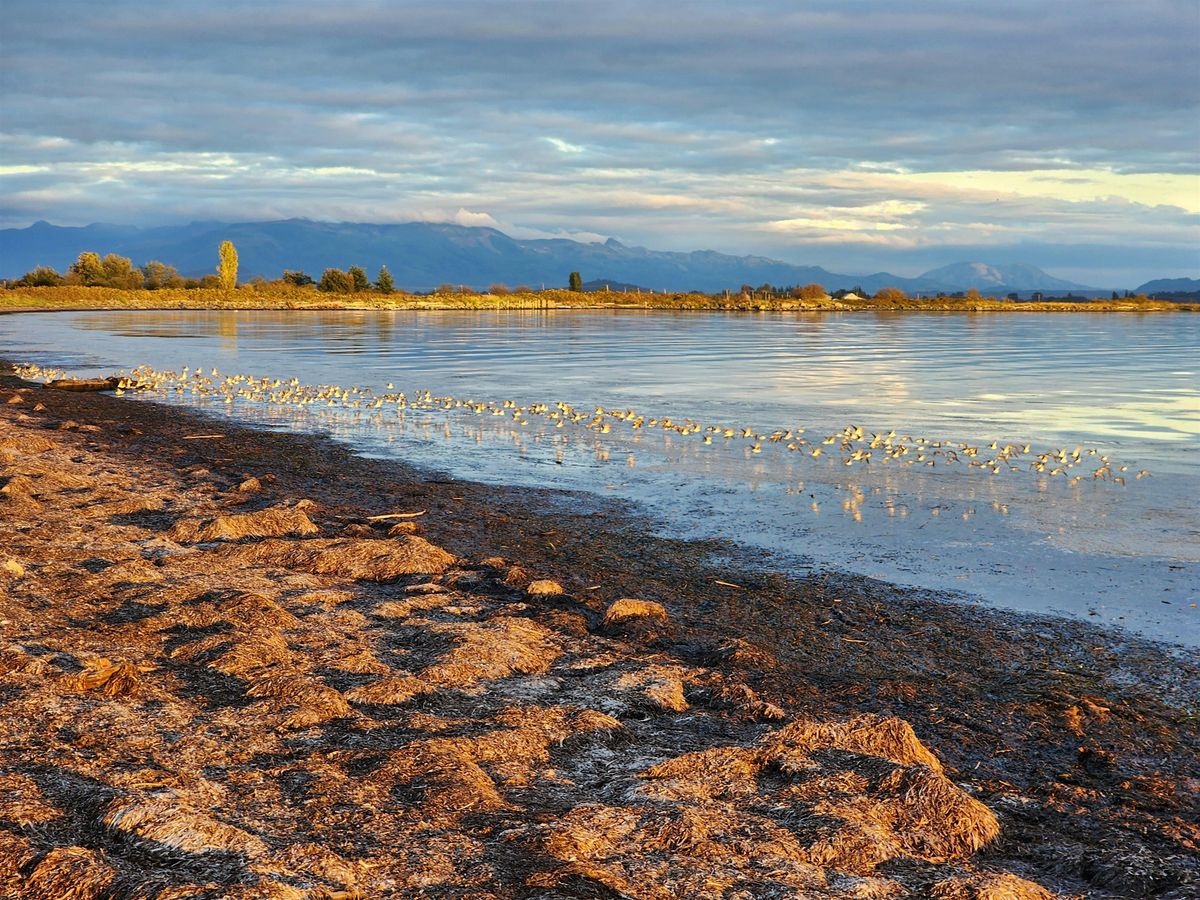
x,y
1125,386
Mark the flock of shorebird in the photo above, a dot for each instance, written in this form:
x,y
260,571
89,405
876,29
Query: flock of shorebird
x,y
853,444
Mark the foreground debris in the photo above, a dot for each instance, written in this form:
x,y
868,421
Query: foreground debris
x,y
220,691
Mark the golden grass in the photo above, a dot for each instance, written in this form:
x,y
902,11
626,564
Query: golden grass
x,y
277,296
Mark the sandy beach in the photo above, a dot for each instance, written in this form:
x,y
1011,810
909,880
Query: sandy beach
x,y
239,663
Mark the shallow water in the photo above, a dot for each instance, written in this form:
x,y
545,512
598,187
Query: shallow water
x,y
1127,386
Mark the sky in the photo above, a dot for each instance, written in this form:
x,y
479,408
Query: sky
x,y
860,135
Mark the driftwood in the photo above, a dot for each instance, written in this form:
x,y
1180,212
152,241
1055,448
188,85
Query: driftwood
x,y
84,384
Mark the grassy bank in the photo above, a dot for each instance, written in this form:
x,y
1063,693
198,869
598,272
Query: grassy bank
x,y
276,296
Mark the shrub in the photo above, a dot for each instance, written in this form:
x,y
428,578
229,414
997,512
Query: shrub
x,y
297,278
812,291
42,276
335,281
158,275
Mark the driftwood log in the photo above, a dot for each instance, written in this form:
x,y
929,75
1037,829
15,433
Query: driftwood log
x,y
84,384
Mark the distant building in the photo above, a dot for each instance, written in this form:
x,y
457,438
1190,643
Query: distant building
x,y
1014,296
1037,296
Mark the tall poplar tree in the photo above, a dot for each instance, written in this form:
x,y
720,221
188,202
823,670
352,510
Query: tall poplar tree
x,y
227,270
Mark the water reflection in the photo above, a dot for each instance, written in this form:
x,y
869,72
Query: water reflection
x,y
1030,541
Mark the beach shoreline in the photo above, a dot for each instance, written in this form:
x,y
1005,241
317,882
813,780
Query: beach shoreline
x,y
273,297
1081,741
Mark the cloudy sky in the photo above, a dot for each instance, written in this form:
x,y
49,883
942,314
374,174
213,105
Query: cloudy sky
x,y
856,134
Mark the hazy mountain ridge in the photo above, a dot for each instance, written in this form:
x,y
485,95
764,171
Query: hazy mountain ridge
x,y
1169,286
422,255
1012,277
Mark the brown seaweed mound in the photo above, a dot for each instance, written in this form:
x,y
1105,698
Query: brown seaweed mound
x,y
263,713
275,521
356,559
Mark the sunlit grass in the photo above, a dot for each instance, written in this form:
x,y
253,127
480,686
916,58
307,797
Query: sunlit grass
x,y
278,296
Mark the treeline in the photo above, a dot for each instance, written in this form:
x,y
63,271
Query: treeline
x,y
351,281
92,270
113,271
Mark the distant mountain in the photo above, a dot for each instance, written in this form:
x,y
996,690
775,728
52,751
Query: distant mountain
x,y
1169,286
423,255
609,284
1000,279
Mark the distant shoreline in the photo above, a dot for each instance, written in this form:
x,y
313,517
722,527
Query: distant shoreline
x,y
273,297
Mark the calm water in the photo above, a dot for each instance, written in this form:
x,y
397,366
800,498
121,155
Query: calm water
x,y
1125,385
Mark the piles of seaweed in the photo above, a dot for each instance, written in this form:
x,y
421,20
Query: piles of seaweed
x,y
209,704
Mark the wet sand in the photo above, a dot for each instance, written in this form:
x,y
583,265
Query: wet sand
x,y
223,677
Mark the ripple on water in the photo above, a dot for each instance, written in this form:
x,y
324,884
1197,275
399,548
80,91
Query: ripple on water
x,y
1107,381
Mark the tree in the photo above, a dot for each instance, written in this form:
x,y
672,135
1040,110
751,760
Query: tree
x,y
227,269
335,281
120,273
157,275
812,291
973,294
890,295
359,276
499,289
383,281
42,276
111,271
575,282
86,270
297,278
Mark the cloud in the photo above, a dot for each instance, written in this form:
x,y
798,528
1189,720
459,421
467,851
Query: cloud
x,y
760,126
563,147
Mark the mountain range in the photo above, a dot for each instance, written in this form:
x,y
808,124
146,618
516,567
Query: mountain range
x,y
1170,286
422,255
